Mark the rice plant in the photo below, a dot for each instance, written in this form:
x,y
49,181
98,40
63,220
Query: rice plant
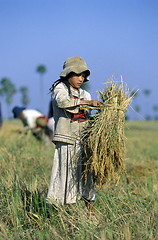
x,y
103,139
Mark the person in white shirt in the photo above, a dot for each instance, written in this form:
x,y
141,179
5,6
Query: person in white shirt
x,y
32,120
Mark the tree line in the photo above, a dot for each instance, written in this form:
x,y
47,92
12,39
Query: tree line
x,y
8,90
143,112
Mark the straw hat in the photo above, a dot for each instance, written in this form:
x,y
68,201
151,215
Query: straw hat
x,y
76,65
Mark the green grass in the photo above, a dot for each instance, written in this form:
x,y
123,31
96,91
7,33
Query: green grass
x,y
124,210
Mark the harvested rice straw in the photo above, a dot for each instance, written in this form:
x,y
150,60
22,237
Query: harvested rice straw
x,y
103,139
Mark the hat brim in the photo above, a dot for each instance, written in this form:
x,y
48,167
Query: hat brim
x,y
75,69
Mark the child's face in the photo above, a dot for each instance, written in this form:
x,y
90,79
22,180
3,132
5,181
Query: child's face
x,y
76,80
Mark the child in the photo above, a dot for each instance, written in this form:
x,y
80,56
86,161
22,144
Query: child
x,y
66,183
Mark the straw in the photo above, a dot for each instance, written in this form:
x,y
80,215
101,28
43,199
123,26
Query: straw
x,y
103,138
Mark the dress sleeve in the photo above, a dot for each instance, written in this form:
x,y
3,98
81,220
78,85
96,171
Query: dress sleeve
x,y
63,100
87,96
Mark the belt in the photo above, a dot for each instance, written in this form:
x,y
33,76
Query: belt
x,y
79,120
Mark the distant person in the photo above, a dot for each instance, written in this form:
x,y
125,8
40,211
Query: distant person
x,y
32,120
50,110
1,119
50,124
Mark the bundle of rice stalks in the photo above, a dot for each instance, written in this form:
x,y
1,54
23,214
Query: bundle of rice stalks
x,y
103,139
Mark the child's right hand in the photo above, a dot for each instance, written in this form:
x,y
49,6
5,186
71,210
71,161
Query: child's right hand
x,y
96,103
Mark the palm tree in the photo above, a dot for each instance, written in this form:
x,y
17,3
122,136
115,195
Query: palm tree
x,y
41,69
1,119
137,109
86,86
24,98
155,108
133,94
8,90
147,92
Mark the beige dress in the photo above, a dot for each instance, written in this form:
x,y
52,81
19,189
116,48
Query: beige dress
x,y
67,184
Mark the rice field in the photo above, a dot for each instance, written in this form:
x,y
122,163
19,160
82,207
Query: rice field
x,y
124,210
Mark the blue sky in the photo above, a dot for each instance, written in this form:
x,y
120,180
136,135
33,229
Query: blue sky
x,y
116,37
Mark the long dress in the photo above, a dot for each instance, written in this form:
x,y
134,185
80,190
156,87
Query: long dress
x,y
67,184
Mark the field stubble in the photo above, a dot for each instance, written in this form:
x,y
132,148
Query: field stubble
x,y
124,210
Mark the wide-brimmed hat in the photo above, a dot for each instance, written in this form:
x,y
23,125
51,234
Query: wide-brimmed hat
x,y
17,111
76,65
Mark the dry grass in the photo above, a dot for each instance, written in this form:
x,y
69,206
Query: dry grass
x,y
103,139
127,211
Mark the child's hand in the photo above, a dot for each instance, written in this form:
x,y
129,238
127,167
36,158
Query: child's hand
x,y
96,103
93,103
